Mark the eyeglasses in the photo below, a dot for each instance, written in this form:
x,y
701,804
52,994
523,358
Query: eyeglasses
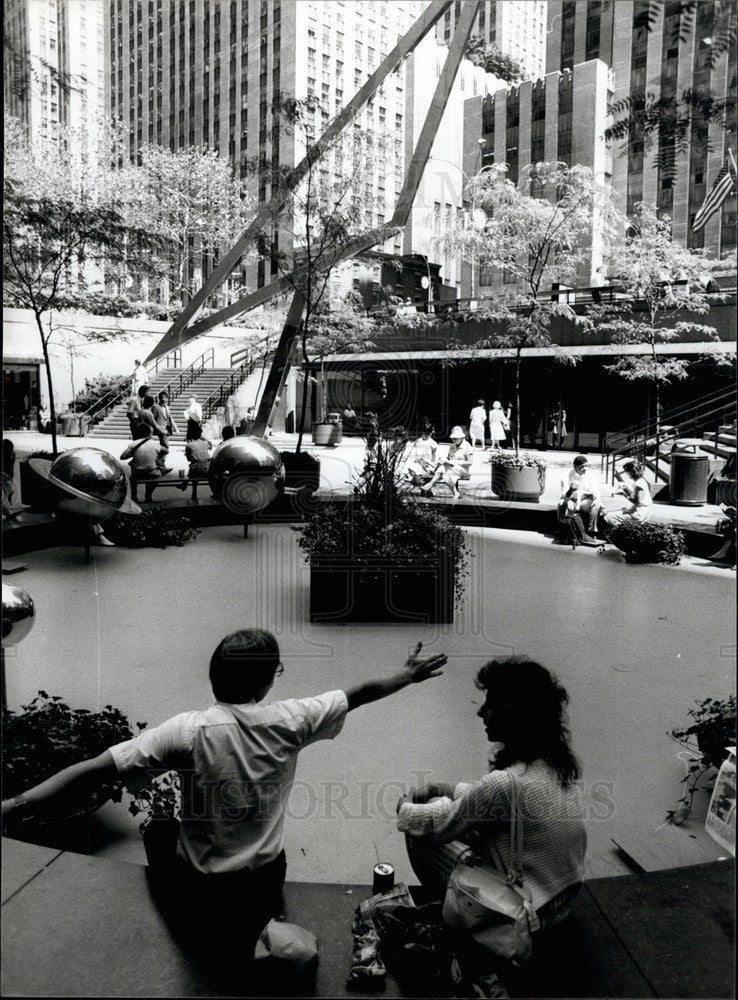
x,y
280,669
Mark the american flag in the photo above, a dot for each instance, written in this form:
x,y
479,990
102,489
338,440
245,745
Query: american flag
x,y
719,191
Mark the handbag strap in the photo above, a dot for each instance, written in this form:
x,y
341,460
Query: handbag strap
x,y
515,872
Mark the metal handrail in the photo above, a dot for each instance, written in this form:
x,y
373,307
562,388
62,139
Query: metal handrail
x,y
176,362
227,387
102,407
176,386
695,421
642,426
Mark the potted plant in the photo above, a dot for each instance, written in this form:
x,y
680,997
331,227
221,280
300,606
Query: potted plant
x,y
711,733
643,542
518,476
383,557
45,737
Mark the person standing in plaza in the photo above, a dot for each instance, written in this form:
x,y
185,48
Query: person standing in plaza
x,y
140,377
558,427
499,425
134,405
165,421
146,416
477,420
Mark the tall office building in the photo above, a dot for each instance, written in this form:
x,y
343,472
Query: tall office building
x,y
516,27
54,63
206,72
663,58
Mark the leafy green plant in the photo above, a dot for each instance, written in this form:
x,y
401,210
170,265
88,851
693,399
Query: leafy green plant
x,y
156,527
645,542
159,800
384,519
713,729
512,461
48,735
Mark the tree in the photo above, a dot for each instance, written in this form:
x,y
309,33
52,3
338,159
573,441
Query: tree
x,y
61,227
192,201
543,227
493,60
666,280
322,217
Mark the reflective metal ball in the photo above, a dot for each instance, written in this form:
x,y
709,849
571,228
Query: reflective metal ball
x,y
89,484
18,615
246,473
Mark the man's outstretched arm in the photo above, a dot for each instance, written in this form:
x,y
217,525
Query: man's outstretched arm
x,y
66,785
414,671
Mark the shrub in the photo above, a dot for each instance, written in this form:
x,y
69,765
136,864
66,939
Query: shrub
x,y
712,731
383,519
644,542
512,461
95,389
48,736
155,527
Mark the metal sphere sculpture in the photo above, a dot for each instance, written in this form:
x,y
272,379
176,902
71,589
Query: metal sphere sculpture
x,y
18,615
89,484
246,473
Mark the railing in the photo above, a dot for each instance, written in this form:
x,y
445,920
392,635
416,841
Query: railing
x,y
171,360
239,356
584,295
227,387
648,437
176,386
100,409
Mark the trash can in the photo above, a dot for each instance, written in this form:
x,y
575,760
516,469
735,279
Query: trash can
x,y
70,425
688,477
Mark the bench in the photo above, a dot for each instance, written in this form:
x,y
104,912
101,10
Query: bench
x,y
181,483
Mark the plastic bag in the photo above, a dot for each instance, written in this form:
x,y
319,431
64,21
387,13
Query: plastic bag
x,y
288,943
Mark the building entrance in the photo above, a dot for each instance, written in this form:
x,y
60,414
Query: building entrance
x,y
20,396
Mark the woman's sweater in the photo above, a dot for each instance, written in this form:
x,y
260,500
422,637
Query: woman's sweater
x,y
554,838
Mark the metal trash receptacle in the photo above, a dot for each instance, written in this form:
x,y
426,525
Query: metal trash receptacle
x,y
688,478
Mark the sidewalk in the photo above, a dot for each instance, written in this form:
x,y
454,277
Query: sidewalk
x,y
340,465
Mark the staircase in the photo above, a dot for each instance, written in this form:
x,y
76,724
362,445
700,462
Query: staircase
x,y
115,424
710,419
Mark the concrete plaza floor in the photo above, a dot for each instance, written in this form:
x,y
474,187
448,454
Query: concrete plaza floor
x,y
339,466
634,645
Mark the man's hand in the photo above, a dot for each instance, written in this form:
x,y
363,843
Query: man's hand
x,y
421,670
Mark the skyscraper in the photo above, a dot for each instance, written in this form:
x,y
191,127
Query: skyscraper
x,y
516,27
54,71
652,61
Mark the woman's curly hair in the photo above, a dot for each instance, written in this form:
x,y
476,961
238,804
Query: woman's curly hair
x,y
529,708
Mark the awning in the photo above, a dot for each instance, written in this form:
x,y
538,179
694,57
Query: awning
x,y
586,350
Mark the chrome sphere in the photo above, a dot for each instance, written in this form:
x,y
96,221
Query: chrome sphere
x,y
246,474
89,484
18,615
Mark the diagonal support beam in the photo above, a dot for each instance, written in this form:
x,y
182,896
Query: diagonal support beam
x,y
177,335
418,162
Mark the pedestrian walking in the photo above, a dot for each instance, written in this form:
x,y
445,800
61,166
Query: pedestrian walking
x,y
499,425
477,420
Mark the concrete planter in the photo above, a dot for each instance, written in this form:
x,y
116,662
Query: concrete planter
x,y
328,435
372,590
518,482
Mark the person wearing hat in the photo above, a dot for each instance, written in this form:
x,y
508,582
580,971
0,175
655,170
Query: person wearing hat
x,y
456,465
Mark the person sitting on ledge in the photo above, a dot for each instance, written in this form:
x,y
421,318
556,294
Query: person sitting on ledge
x,y
197,453
635,488
524,716
581,495
143,455
456,465
236,761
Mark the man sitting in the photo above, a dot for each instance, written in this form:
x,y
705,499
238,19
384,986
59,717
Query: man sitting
x,y
581,495
236,761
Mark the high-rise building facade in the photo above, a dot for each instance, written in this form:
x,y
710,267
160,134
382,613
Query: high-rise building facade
x,y
207,72
651,59
516,27
54,63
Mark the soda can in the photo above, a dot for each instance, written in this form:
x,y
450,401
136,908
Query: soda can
x,y
384,878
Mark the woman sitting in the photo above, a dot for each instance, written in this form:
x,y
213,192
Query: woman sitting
x,y
635,488
523,713
422,459
197,451
456,465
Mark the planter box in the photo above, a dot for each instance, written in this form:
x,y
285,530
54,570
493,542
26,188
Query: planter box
x,y
372,590
35,490
518,482
328,435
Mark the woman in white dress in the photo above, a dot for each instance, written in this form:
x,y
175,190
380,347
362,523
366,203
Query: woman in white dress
x,y
477,420
499,425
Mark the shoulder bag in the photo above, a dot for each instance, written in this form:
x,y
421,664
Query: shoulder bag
x,y
494,909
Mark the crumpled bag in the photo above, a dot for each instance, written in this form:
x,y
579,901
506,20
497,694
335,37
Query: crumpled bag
x,y
288,943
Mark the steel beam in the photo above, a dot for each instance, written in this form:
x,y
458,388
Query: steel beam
x,y
177,333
